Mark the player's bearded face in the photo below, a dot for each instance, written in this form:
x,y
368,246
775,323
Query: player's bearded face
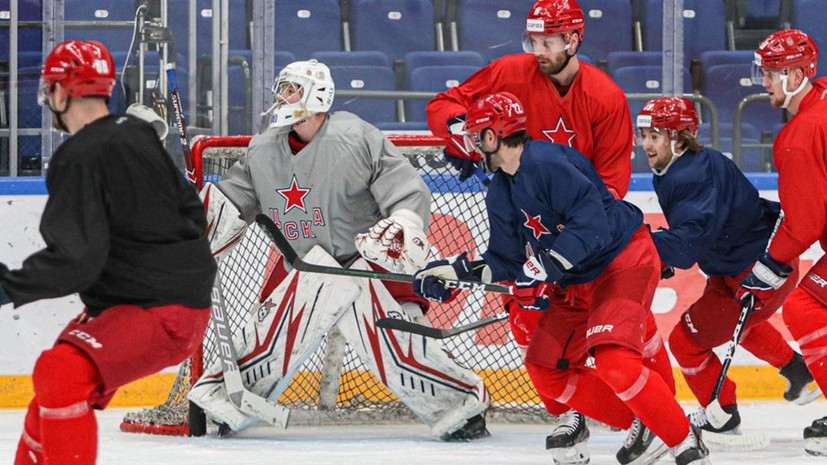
x,y
657,146
550,51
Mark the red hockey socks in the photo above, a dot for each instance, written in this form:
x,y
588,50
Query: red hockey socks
x,y
643,391
581,389
806,319
655,356
29,449
63,380
766,343
700,368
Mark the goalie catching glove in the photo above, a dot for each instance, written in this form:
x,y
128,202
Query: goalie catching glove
x,y
225,227
396,243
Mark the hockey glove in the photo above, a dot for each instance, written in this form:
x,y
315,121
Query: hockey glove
x,y
456,153
4,296
763,281
428,282
396,243
541,266
532,297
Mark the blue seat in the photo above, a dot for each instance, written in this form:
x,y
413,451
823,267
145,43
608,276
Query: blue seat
x,y
356,58
239,27
29,39
365,78
492,28
282,59
415,60
704,26
433,79
608,27
643,79
725,57
304,27
726,85
621,59
392,26
116,38
811,16
753,159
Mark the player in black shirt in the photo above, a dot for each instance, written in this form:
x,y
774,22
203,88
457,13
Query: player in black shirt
x,y
124,230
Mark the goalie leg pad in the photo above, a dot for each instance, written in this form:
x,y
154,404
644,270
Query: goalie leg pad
x,y
416,369
225,227
282,332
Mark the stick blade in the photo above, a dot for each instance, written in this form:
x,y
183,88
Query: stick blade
x,y
410,327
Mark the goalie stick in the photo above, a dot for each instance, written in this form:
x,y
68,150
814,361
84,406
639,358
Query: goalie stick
x,y
242,398
293,259
437,333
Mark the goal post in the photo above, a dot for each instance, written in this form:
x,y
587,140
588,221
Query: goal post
x,y
458,224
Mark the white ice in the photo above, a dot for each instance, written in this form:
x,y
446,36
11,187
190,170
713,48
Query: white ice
x,y
410,444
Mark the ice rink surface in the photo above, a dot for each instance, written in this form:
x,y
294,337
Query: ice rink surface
x,y
510,444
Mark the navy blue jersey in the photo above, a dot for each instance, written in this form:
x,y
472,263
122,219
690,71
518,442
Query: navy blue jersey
x,y
716,218
556,202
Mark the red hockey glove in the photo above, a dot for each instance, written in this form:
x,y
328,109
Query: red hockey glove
x,y
763,281
456,153
532,297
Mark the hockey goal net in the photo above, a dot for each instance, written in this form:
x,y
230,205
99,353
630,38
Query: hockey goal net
x,y
334,385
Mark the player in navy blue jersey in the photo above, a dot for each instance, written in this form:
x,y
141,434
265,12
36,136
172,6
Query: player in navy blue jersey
x,y
555,227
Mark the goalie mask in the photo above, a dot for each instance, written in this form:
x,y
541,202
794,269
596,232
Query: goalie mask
x,y
501,113
302,89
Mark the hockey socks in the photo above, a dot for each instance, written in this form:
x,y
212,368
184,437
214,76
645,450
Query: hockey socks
x,y
60,421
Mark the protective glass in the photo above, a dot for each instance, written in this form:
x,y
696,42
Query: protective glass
x,y
473,143
554,43
758,74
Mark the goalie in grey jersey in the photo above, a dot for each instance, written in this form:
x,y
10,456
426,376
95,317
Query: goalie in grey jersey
x,y
324,179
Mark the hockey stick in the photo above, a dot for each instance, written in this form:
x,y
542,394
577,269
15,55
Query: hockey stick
x,y
180,122
715,413
293,259
242,398
436,333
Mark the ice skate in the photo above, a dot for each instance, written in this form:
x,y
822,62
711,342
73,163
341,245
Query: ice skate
x,y
474,428
691,451
815,438
641,446
799,378
567,442
728,437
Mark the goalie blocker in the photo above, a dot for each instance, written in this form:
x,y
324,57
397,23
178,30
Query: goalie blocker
x,y
290,324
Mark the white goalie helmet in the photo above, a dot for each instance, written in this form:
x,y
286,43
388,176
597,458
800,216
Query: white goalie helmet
x,y
309,89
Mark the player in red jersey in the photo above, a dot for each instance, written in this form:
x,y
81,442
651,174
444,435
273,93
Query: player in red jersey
x,y
126,232
568,102
785,65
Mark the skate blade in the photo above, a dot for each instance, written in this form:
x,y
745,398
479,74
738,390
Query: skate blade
x,y
808,395
741,442
575,455
654,452
816,446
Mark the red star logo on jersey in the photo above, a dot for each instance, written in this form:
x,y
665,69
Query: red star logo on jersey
x,y
535,224
294,195
560,134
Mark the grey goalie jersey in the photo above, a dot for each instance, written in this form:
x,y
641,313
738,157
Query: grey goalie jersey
x,y
340,184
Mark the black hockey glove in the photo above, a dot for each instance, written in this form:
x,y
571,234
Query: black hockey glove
x,y
428,282
763,281
666,271
4,296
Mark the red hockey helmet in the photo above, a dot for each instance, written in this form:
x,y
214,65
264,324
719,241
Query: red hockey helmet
x,y
501,112
672,114
83,68
555,17
789,48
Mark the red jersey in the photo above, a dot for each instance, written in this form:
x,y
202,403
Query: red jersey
x,y
593,117
800,155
